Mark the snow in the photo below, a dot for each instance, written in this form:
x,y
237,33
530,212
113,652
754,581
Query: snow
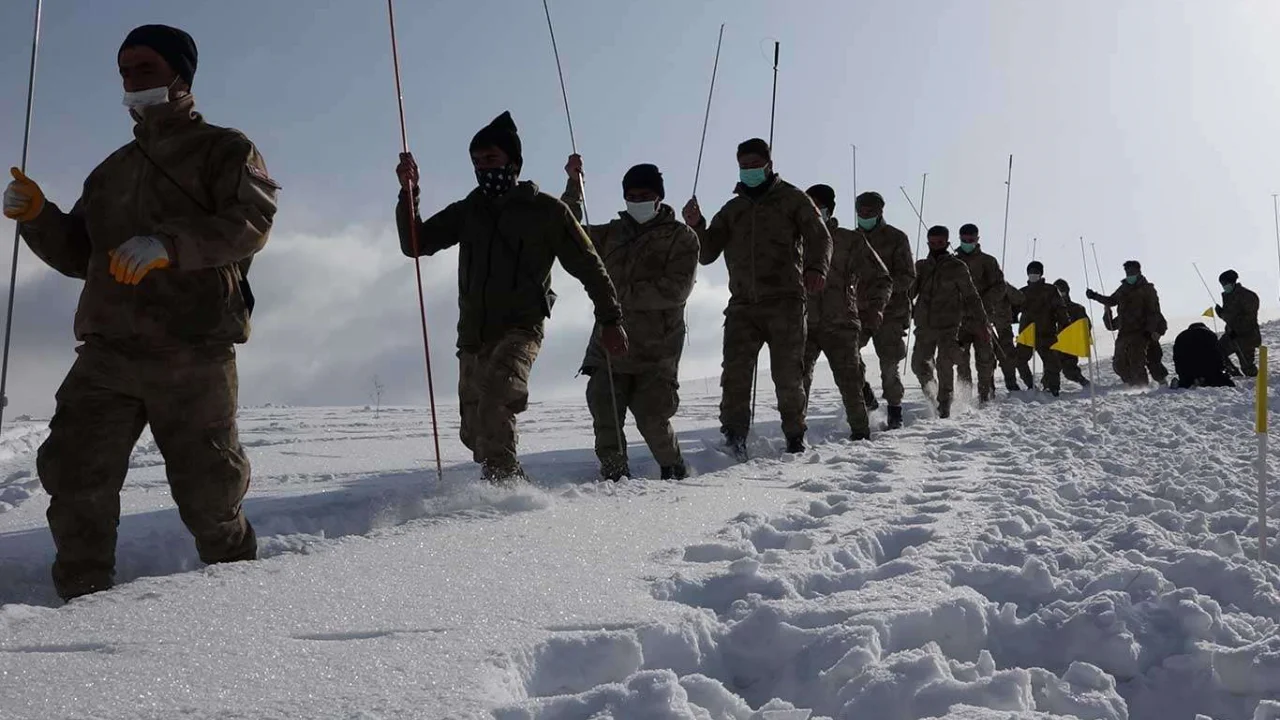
x,y
1015,562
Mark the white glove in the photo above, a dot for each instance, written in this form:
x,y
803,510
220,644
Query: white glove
x,y
136,257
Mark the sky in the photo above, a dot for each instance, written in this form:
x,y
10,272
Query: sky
x,y
1145,126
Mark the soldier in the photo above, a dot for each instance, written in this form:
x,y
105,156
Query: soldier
x,y
652,259
509,234
162,236
1140,324
944,295
1199,360
858,288
894,249
988,278
1044,307
1075,312
1239,310
778,251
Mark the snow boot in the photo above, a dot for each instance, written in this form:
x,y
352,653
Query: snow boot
x,y
858,435
505,477
944,408
1011,383
675,472
795,444
736,445
895,418
869,397
615,471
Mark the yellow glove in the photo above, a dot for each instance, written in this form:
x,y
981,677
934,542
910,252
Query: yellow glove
x,y
23,198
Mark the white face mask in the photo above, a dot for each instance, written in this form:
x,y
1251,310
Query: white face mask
x,y
146,98
825,213
643,212
1034,278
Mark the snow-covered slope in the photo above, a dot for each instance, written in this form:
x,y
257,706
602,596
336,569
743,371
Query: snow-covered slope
x,y
1011,563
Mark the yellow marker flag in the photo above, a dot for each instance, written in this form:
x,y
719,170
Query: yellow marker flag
x,y
1208,313
1074,339
1028,337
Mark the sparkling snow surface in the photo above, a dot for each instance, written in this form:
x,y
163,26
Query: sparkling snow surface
x,y
1004,564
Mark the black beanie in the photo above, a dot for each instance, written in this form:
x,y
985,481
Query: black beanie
x,y
175,46
1230,276
755,146
939,231
1133,265
968,229
824,196
646,177
1062,285
501,133
1035,266
871,200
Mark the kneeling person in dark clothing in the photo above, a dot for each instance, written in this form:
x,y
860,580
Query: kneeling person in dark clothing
x,y
1198,360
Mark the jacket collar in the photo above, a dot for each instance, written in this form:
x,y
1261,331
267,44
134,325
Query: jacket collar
x,y
165,119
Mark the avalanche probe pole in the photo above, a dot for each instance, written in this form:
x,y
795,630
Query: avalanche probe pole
x,y
1097,268
855,180
586,219
1093,344
1008,190
1260,427
413,240
1213,301
17,236
773,108
706,120
1275,211
906,361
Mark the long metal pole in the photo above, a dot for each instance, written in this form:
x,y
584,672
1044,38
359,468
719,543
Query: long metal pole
x,y
1275,211
1260,427
586,219
924,179
707,118
773,107
1098,270
413,241
1213,301
855,179
1008,190
1093,343
17,233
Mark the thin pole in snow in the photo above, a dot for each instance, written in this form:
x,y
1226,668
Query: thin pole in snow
x,y
1093,343
773,108
413,240
1213,301
17,232
707,118
1275,211
586,219
855,178
1098,269
1008,190
1260,427
924,179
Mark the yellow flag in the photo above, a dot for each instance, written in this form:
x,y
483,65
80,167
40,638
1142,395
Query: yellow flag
x,y
1074,339
1208,313
1028,337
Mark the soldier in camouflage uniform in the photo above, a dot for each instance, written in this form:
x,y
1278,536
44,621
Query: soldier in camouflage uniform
x,y
1140,324
778,251
652,258
509,235
944,295
988,278
1075,312
1239,310
1044,307
858,288
889,339
162,236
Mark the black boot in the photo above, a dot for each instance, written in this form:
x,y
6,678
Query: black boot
x,y
736,445
1011,383
869,397
944,408
795,444
895,417
864,434
675,472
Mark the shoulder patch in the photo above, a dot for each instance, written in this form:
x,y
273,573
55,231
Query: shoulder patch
x,y
260,175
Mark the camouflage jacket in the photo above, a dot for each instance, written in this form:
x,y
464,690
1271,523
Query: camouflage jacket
x,y
507,247
202,190
1240,313
894,249
944,293
1043,305
653,267
988,279
858,284
769,239
1137,307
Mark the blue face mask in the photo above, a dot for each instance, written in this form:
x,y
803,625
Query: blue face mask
x,y
1131,279
968,248
753,177
1228,287
867,223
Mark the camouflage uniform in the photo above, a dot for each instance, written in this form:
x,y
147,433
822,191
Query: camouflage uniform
x,y
1242,336
770,237
889,339
1044,307
988,278
160,352
857,279
507,247
653,267
1070,363
1140,324
944,294
1007,315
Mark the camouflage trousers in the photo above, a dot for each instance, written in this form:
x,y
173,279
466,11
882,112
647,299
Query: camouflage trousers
x,y
780,324
652,398
189,397
1071,368
1051,376
972,339
493,387
1006,351
934,357
890,344
842,348
1247,352
1138,356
